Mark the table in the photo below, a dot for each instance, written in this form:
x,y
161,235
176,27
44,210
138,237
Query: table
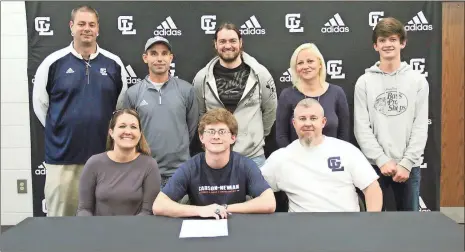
x,y
284,232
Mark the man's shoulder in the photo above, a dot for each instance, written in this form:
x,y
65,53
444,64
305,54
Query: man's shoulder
x,y
333,141
255,66
344,147
194,162
136,88
201,74
281,154
415,76
237,157
182,84
56,55
362,79
111,56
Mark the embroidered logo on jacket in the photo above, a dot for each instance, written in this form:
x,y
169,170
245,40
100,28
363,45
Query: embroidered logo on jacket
x,y
103,71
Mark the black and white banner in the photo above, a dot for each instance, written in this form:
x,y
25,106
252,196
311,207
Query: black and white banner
x,y
272,31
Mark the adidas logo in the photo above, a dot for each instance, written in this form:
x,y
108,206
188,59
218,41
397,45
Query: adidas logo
x,y
418,23
167,28
252,27
70,70
423,207
143,103
40,170
286,77
132,78
335,25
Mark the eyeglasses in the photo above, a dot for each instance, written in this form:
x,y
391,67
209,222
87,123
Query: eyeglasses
x,y
212,132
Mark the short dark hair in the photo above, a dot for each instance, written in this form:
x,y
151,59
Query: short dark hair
x,y
387,27
84,8
227,26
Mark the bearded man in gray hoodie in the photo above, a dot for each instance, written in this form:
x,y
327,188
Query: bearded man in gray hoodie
x,y
236,81
391,118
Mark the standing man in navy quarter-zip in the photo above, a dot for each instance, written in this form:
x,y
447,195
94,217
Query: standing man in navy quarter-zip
x,y
76,89
236,81
167,107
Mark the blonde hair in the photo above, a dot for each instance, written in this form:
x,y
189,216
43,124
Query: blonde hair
x,y
314,50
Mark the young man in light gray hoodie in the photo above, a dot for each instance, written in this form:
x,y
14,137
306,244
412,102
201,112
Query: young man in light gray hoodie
x,y
391,118
236,81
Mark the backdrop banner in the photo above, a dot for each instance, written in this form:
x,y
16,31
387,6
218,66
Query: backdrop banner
x,y
271,32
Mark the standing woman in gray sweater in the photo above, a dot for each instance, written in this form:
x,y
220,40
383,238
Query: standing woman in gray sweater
x,y
125,179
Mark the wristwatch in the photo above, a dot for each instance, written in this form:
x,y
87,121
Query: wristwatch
x,y
225,206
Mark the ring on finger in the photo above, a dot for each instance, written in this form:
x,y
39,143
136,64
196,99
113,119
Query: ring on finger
x,y
217,211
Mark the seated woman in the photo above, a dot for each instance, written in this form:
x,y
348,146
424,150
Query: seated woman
x,y
125,179
218,180
308,73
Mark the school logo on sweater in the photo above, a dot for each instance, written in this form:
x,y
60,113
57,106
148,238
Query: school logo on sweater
x,y
334,163
391,102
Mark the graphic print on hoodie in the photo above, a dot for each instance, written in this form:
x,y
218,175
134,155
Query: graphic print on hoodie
x,y
391,115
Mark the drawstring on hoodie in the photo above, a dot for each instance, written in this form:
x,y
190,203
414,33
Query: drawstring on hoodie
x,y
395,86
376,69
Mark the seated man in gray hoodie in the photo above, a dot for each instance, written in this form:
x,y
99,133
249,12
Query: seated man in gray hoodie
x,y
235,81
391,118
167,107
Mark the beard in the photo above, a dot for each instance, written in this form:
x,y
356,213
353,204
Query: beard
x,y
229,58
306,141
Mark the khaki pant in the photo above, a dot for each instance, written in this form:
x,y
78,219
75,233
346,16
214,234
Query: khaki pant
x,y
62,189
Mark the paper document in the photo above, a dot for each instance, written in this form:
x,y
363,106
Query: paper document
x,y
204,228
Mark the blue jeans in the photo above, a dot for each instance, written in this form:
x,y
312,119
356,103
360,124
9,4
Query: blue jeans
x,y
259,160
400,196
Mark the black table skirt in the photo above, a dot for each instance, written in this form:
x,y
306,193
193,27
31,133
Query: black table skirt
x,y
283,232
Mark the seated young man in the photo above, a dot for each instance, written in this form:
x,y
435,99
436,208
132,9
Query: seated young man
x,y
319,173
218,180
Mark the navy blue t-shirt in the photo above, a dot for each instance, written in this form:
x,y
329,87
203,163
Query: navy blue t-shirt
x,y
205,185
